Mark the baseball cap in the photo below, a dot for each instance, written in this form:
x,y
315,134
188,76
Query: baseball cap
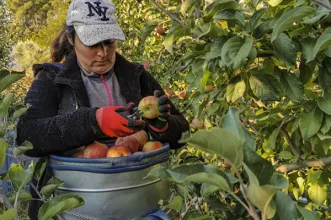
x,y
94,21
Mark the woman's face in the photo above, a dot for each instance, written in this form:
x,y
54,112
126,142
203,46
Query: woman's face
x,y
98,58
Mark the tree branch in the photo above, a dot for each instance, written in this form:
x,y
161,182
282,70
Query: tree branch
x,y
324,4
171,15
307,163
290,143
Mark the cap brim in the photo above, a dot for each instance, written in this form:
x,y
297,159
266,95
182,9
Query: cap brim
x,y
93,34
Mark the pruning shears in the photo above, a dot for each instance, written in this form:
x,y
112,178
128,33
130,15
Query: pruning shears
x,y
133,115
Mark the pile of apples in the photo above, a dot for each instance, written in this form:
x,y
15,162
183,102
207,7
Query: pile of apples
x,y
136,143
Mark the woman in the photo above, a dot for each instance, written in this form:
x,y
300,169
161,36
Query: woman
x,y
75,104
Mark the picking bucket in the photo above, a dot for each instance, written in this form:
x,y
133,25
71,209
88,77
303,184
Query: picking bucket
x,y
112,188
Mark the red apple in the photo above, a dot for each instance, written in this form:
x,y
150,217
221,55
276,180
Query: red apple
x,y
227,164
151,146
197,123
146,65
95,150
142,138
78,154
118,151
149,106
160,30
129,142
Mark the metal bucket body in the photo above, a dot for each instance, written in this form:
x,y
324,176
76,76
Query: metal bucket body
x,y
112,188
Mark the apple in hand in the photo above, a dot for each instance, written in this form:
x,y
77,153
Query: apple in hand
x,y
142,138
150,107
118,151
152,146
95,150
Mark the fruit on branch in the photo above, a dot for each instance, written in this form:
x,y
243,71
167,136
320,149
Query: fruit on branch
x,y
147,65
152,146
227,164
95,150
149,106
197,123
160,30
118,151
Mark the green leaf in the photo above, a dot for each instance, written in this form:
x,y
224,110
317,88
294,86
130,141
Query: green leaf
x,y
317,194
4,106
324,78
260,196
3,150
19,177
289,17
310,123
322,43
200,174
285,155
274,3
307,45
326,124
231,15
216,48
261,168
168,42
263,88
51,185
20,150
148,27
159,172
10,214
306,214
291,86
186,6
231,122
219,141
23,195
236,50
235,89
9,79
58,205
286,207
207,189
175,204
40,168
324,103
285,49
271,141
255,19
18,113
219,5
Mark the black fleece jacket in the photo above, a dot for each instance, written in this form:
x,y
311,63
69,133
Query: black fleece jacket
x,y
60,117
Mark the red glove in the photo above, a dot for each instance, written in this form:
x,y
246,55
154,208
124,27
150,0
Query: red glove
x,y
112,123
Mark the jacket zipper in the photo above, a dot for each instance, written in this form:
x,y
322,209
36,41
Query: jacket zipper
x,y
107,89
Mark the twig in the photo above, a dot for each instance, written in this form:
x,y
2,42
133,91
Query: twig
x,y
251,209
171,15
324,4
290,143
306,163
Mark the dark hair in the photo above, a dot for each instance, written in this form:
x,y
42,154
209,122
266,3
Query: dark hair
x,y
62,45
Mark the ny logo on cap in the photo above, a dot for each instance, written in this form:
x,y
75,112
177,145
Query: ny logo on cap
x,y
101,11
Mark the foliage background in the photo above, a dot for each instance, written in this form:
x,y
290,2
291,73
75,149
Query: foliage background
x,y
269,59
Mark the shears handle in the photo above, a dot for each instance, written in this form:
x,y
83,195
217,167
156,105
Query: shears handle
x,y
132,122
